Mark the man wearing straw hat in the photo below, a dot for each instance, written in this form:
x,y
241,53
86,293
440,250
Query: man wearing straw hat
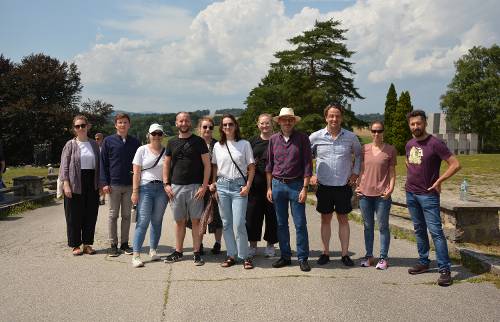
x,y
288,169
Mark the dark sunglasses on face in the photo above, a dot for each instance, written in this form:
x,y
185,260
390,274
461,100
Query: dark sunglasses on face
x,y
80,126
228,125
208,127
377,131
157,133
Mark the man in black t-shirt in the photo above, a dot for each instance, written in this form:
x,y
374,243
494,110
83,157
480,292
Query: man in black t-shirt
x,y
186,172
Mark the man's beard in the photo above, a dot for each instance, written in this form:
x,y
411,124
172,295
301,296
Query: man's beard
x,y
184,129
417,133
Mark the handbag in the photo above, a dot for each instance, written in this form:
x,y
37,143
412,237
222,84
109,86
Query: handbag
x,y
207,215
241,172
60,188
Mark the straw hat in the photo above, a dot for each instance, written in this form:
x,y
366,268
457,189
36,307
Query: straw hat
x,y
286,111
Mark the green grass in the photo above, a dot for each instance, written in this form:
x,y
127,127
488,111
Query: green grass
x,y
19,209
13,172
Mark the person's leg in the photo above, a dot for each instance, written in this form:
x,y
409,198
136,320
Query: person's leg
x,y
126,205
195,209
239,210
195,233
90,218
114,210
383,207
226,213
144,213
430,208
159,206
299,219
254,218
271,231
343,207
420,226
366,205
280,201
73,211
326,232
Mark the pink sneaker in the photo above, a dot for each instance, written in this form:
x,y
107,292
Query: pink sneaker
x,y
382,264
367,262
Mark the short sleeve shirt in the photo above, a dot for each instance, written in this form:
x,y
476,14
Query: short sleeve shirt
x,y
241,151
375,178
186,164
424,161
145,158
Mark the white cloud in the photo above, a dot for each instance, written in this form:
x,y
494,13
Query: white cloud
x,y
226,48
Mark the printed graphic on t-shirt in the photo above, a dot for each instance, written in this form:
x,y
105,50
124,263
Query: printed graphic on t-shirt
x,y
416,155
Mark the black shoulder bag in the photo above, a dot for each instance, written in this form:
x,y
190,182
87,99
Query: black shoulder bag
x,y
241,172
157,160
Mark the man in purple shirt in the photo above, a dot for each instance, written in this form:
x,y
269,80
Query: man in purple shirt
x,y
288,170
423,185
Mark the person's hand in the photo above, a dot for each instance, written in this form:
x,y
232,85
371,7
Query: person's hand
x,y
135,197
106,189
358,192
201,192
67,190
352,180
387,193
313,181
436,186
244,191
303,195
213,187
170,192
269,195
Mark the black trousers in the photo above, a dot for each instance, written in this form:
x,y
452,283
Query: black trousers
x,y
258,208
81,212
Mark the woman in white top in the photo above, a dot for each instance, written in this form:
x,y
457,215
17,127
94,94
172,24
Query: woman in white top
x,y
148,193
79,170
234,168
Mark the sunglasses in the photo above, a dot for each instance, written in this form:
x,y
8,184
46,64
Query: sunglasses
x,y
227,124
80,126
210,127
377,131
157,133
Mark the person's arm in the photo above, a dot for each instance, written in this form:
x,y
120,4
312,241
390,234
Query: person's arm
x,y
166,177
307,157
356,169
453,167
205,158
136,178
314,179
105,177
213,186
269,170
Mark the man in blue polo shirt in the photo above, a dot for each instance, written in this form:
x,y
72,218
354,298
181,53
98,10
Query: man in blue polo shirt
x,y
117,153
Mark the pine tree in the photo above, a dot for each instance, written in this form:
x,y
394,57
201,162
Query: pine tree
x,y
401,132
390,109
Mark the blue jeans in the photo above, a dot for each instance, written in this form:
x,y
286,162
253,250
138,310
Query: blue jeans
x,y
233,209
284,194
369,207
424,211
152,203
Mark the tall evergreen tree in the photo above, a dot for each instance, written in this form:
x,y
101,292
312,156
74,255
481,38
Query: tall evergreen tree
x,y
401,132
391,102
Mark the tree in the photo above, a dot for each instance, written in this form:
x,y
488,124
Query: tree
x,y
391,102
472,100
316,72
98,114
400,130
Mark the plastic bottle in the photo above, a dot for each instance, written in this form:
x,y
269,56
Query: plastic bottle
x,y
464,190
133,214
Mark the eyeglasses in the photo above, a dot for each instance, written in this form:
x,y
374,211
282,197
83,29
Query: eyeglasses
x,y
227,124
98,139
157,133
377,131
80,126
208,127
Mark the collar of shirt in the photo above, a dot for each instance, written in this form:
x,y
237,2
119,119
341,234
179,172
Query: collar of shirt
x,y
326,133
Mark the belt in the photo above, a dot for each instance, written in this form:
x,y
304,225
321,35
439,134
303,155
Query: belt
x,y
156,181
288,180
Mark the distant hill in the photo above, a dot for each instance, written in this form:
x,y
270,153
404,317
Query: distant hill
x,y
233,111
368,118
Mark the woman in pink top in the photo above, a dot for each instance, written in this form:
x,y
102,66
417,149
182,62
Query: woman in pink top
x,y
376,184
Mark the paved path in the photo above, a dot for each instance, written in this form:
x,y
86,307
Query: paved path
x,y
41,281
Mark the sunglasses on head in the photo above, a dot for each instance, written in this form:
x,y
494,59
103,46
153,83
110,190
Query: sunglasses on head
x,y
80,126
377,131
157,133
210,127
227,124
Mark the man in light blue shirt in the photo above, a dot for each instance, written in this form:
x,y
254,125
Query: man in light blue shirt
x,y
334,149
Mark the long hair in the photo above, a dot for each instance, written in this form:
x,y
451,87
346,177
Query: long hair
x,y
237,134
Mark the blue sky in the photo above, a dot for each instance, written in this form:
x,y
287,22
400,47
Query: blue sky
x,y
166,56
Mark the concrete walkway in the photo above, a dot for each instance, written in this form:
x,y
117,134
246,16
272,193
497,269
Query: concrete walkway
x,y
41,281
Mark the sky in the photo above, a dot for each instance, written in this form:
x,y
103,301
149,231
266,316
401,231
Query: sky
x,y
168,56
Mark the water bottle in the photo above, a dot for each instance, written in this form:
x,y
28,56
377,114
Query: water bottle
x,y
133,214
464,189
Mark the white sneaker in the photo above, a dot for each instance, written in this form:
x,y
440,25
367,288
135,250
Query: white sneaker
x,y
154,256
252,251
270,251
136,262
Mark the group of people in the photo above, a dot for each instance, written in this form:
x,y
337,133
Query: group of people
x,y
251,182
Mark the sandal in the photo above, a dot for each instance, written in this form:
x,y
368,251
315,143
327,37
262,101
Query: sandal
x,y
228,262
77,251
87,249
247,264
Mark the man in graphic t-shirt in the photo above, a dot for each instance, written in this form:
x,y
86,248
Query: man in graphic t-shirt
x,y
186,172
423,185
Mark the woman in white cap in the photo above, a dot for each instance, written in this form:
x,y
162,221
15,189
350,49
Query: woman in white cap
x,y
148,193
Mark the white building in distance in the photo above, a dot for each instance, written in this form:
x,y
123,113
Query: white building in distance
x,y
458,143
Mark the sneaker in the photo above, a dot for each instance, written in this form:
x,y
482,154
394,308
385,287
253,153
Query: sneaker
x,y
126,249
270,251
154,255
304,265
198,261
174,257
323,259
347,260
113,251
418,269
282,262
367,261
216,249
136,262
445,278
252,251
382,264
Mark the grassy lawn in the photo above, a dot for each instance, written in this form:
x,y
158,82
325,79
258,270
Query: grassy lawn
x,y
13,172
